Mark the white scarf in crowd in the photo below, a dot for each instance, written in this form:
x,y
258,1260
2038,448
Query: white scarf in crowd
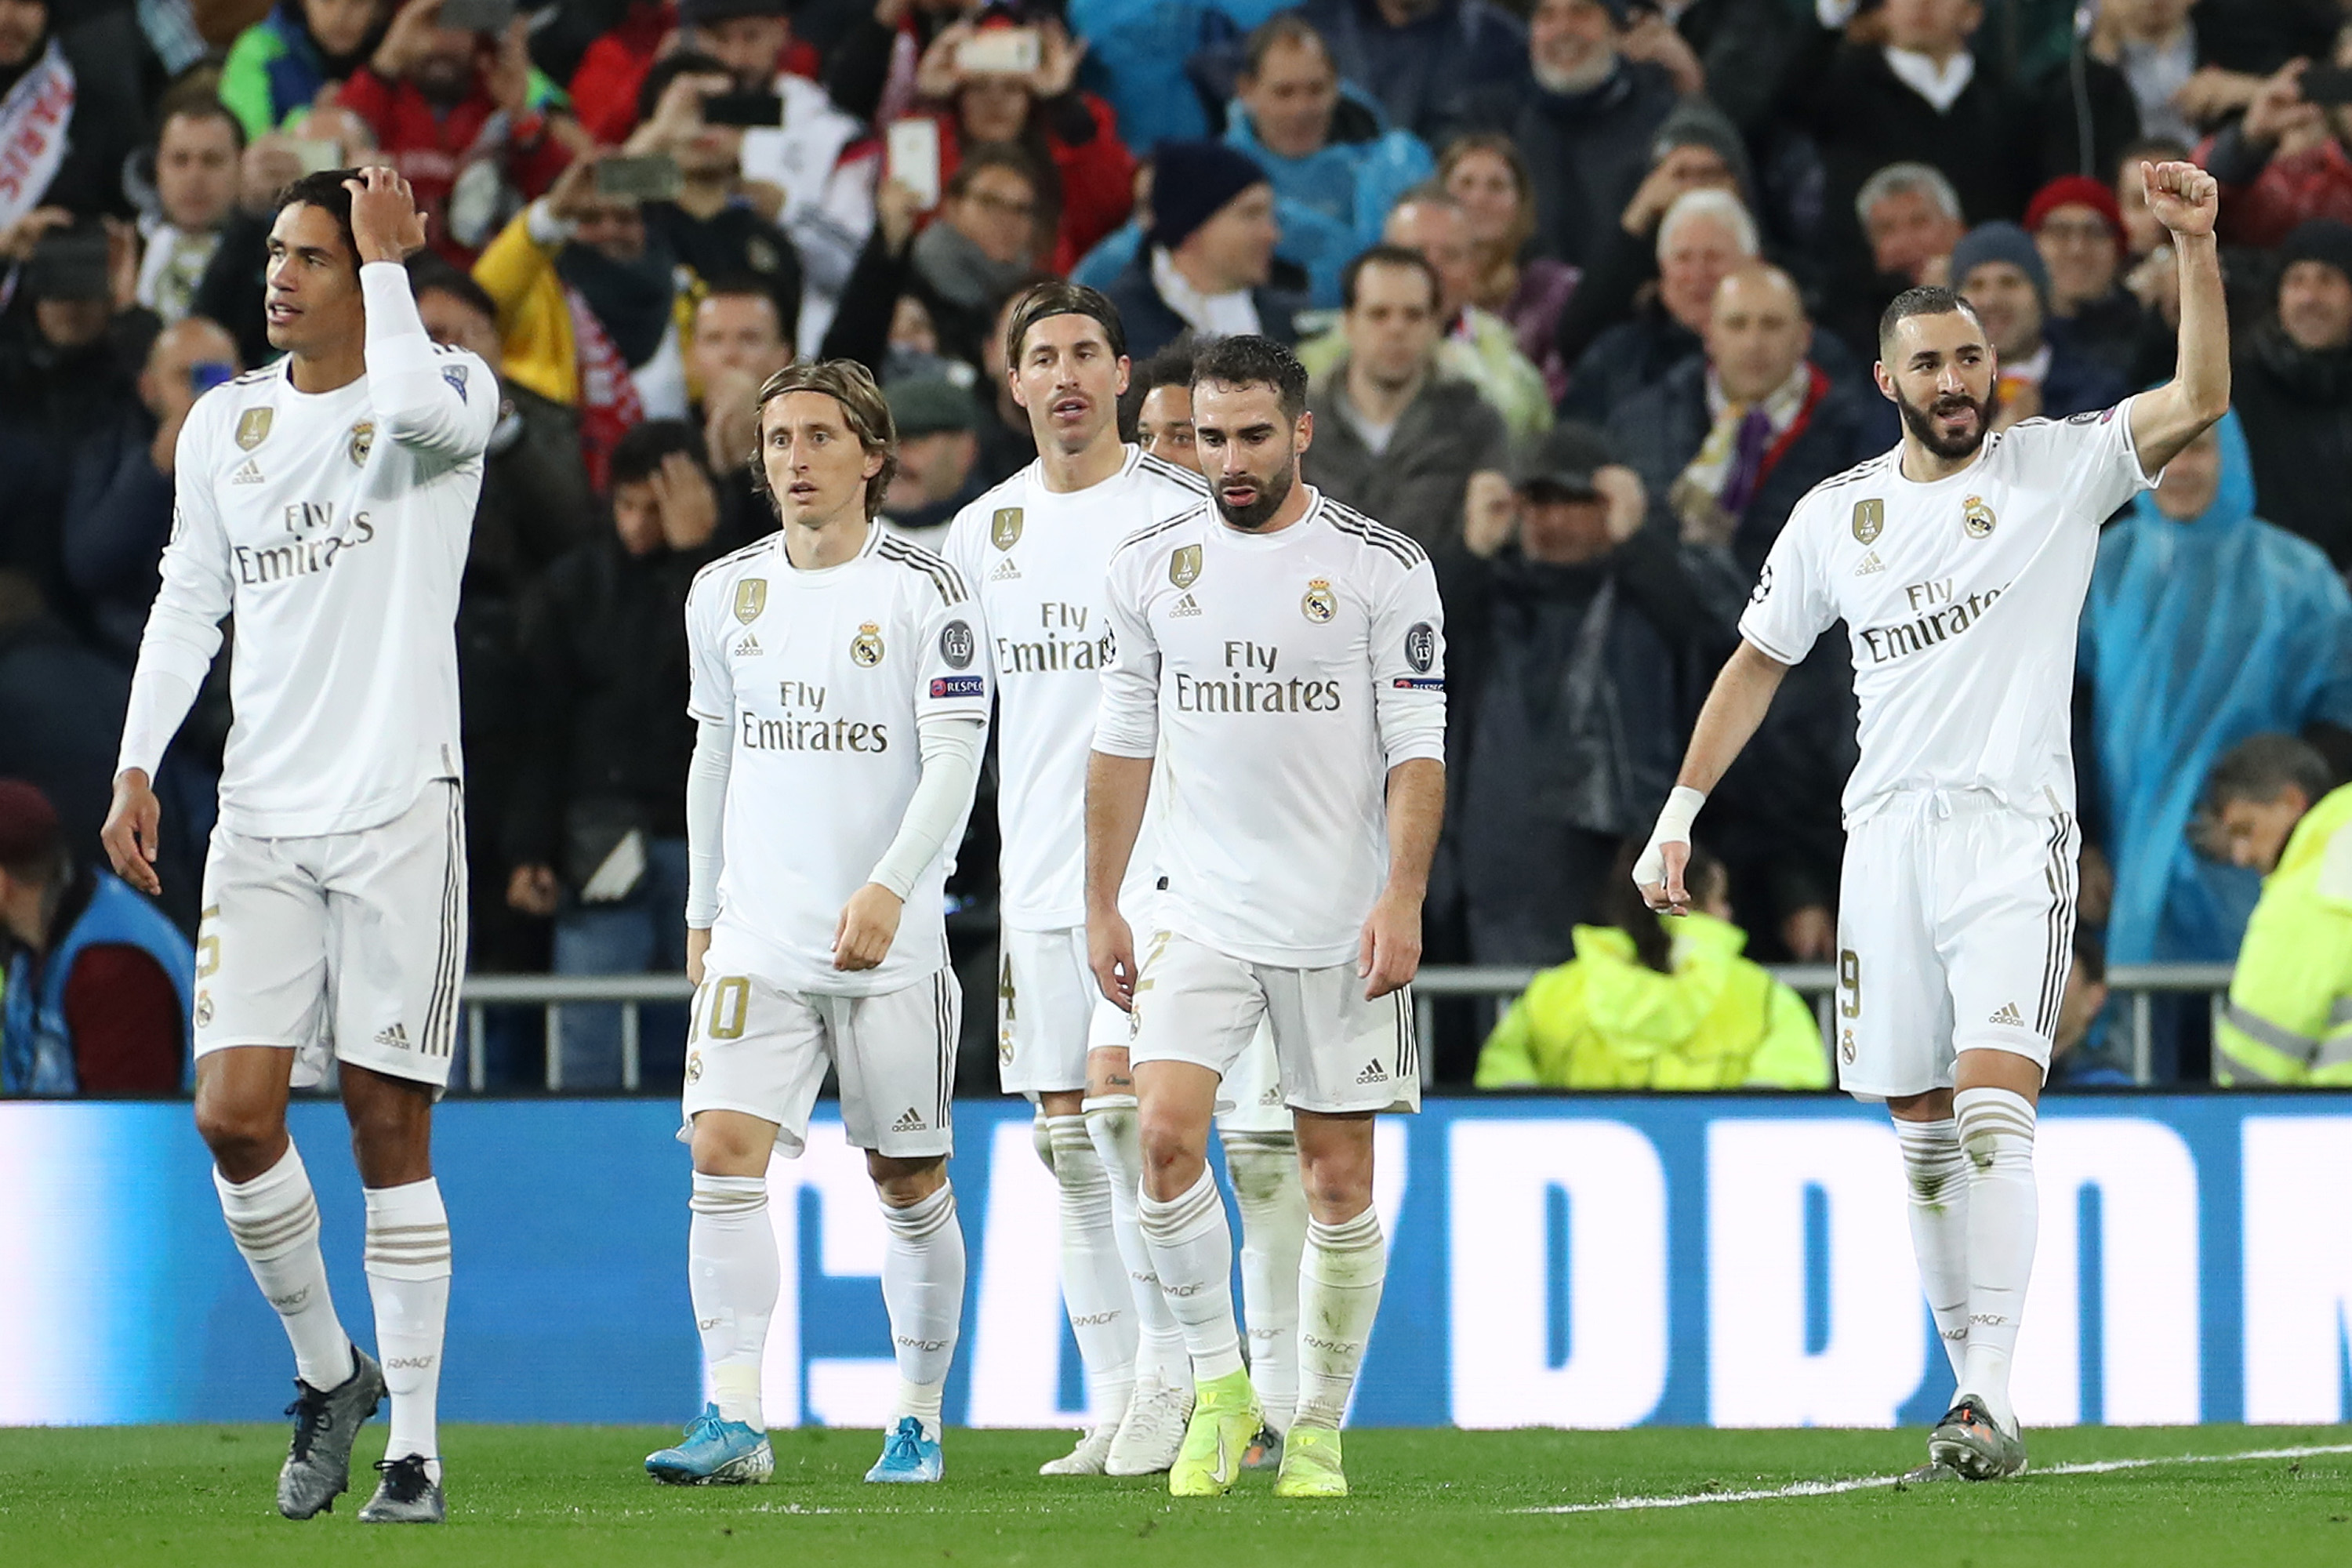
x,y
33,121
1210,315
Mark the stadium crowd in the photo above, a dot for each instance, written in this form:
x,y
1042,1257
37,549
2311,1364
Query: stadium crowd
x,y
1590,290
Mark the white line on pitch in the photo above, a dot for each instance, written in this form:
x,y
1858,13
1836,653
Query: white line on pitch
x,y
1868,1483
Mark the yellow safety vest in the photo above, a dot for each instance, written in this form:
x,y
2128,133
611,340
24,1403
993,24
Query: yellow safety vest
x,y
2289,1017
1606,1020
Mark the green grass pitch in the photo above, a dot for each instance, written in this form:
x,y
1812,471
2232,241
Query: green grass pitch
x,y
576,1497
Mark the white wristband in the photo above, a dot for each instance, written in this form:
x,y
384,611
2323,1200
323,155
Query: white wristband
x,y
1674,819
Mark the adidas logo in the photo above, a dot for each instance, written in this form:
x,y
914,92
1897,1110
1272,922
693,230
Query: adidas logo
x,y
249,475
1005,572
2008,1015
1870,563
1372,1074
1184,606
748,647
396,1037
912,1122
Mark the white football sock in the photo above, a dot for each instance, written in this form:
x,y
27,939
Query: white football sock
x,y
2004,1219
1265,1169
1937,1173
1159,1354
732,1273
1339,1282
1093,1278
408,1278
1193,1252
273,1219
922,1287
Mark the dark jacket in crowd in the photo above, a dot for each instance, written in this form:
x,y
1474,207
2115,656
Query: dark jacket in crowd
x,y
1657,431
49,399
1416,485
1568,694
1425,73
1633,355
2297,407
2076,382
608,738
115,520
1151,324
734,242
1588,150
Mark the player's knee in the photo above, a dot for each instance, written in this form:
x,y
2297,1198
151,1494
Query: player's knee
x,y
902,1184
245,1139
1172,1151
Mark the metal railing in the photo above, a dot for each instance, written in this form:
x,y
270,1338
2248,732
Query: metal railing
x,y
2140,985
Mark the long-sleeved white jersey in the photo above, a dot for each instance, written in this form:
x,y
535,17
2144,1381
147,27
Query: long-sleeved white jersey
x,y
1277,677
333,527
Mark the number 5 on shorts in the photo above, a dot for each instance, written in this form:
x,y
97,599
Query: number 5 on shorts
x,y
1849,984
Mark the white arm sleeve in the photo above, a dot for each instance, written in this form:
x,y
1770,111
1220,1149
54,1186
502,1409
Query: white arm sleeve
x,y
1127,715
951,746
183,625
450,416
706,819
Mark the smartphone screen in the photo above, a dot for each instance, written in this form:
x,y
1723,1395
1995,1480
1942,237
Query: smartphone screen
x,y
1010,51
2328,85
744,109
478,15
914,158
651,179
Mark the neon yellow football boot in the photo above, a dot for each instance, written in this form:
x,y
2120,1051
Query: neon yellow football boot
x,y
1225,1421
1310,1464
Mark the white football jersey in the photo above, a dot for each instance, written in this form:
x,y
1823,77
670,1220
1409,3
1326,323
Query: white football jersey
x,y
1277,677
1035,558
820,679
1961,598
333,527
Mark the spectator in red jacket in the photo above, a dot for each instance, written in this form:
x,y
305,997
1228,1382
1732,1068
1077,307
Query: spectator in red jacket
x,y
752,38
443,100
1043,111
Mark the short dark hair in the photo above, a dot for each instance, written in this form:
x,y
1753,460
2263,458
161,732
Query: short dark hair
x,y
1007,156
1247,359
637,456
1389,256
196,100
326,191
864,409
431,273
1927,299
1171,366
751,286
1283,27
1059,298
2264,767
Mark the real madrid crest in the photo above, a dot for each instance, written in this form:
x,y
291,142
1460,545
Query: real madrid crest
x,y
866,647
1184,566
362,442
1319,604
253,426
1869,520
751,598
1976,518
1004,528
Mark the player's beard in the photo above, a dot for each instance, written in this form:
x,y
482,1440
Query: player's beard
x,y
1272,491
1921,422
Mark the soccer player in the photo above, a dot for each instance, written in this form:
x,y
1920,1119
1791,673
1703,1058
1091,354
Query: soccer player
x,y
1959,562
1035,550
1282,658
326,503
841,698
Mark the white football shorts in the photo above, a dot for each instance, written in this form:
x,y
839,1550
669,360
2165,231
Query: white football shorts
x,y
1956,931
350,942
753,1047
1333,1051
